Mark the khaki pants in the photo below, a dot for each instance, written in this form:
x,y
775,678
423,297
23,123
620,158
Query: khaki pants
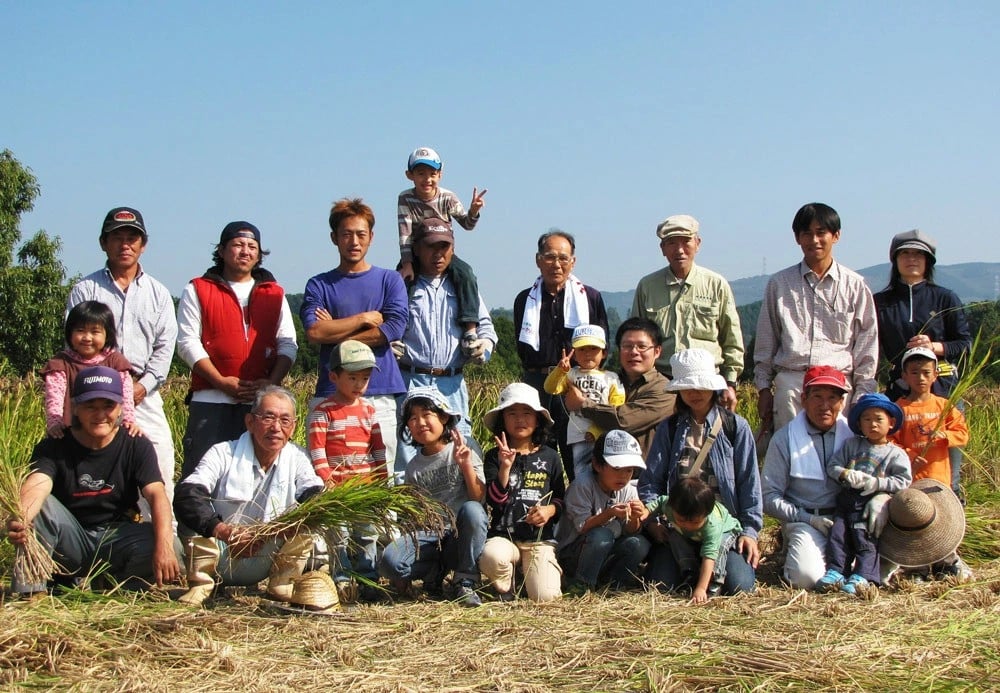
x,y
542,574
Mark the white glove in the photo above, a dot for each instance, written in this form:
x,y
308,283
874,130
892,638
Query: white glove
x,y
476,350
855,479
870,486
876,514
398,349
821,523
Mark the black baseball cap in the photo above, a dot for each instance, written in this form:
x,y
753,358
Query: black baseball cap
x,y
123,218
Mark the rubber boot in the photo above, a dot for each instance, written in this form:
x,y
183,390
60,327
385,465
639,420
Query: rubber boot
x,y
202,561
288,563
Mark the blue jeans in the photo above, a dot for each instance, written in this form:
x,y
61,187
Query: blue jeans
x,y
663,569
356,551
126,547
598,556
458,550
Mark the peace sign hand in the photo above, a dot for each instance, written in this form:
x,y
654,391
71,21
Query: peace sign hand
x,y
505,453
477,202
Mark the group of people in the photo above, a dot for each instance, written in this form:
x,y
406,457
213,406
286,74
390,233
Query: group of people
x,y
591,478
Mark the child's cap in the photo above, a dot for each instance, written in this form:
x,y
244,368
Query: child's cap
x,y
433,230
874,401
694,369
98,382
429,392
239,229
918,351
621,450
828,376
425,156
352,356
677,225
516,393
589,335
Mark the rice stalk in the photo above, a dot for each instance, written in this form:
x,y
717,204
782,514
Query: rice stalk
x,y
360,500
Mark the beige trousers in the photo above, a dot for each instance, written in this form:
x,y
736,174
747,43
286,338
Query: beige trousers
x,y
542,574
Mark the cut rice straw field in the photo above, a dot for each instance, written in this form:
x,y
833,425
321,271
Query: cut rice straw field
x,y
914,636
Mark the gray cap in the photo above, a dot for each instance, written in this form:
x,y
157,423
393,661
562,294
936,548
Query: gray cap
x,y
913,239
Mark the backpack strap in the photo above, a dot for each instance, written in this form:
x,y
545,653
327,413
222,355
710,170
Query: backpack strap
x,y
699,461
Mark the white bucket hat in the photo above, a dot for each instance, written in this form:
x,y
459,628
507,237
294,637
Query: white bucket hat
x,y
694,369
516,393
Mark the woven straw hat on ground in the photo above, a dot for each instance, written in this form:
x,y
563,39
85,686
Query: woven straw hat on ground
x,y
926,524
315,591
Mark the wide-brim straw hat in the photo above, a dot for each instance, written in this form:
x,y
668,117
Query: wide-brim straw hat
x,y
926,524
516,393
315,592
694,369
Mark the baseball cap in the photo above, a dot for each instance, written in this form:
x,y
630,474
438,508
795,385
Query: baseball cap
x,y
589,335
434,230
677,225
914,239
621,450
825,375
918,351
239,229
123,218
98,382
352,355
426,156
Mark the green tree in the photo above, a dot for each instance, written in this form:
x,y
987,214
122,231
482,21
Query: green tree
x,y
32,288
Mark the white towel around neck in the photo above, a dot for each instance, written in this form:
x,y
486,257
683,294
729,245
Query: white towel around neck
x,y
803,458
576,309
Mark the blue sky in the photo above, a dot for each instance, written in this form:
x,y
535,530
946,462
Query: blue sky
x,y
596,118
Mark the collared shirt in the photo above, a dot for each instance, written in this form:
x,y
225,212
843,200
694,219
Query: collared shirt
x,y
697,312
807,321
786,496
433,336
144,319
553,336
647,403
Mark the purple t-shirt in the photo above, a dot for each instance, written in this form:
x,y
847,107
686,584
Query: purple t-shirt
x,y
344,295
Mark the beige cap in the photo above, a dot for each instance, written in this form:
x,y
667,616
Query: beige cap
x,y
677,225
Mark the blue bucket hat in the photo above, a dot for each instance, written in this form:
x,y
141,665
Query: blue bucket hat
x,y
874,401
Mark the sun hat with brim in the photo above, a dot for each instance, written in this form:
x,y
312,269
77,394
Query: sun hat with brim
x,y
694,369
926,524
315,592
435,397
516,393
874,401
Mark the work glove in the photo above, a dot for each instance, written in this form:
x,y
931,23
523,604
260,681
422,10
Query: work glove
x,y
821,523
876,514
855,479
476,351
398,349
870,486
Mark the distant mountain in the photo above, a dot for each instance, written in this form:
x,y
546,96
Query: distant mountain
x,y
972,281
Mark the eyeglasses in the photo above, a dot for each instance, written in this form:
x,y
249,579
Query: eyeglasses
x,y
553,258
638,348
269,419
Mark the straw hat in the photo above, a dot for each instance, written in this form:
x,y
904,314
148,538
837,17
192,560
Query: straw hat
x,y
315,592
926,524
694,369
516,393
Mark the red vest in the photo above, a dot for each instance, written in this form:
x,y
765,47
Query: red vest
x,y
247,357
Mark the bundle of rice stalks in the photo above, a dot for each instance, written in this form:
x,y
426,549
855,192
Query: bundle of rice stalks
x,y
32,561
361,500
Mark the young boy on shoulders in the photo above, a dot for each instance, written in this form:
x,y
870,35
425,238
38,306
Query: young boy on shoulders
x,y
600,538
700,534
345,440
427,200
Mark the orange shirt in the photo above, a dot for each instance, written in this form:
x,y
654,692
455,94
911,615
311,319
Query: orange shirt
x,y
919,421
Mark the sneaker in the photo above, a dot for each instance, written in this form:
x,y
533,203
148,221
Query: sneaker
x,y
959,570
831,581
854,584
714,588
507,597
576,589
465,594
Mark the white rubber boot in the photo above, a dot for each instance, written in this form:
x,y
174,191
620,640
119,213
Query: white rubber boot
x,y
288,563
202,561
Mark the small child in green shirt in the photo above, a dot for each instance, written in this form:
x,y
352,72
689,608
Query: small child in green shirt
x,y
699,529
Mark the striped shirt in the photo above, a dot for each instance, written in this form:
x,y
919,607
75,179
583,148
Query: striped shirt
x,y
345,440
808,321
411,211
144,319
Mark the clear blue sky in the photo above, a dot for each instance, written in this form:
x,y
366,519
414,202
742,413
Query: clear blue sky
x,y
599,118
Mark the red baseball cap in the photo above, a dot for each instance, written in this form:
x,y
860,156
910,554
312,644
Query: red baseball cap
x,y
825,375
